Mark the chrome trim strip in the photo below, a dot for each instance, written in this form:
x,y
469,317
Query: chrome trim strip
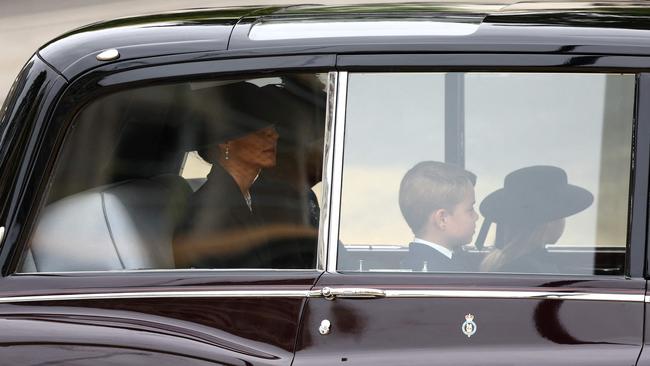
x,y
541,295
166,294
534,295
283,30
2,234
351,292
336,179
328,159
167,270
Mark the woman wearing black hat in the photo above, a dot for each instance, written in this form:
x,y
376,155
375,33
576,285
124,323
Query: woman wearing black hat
x,y
223,228
530,212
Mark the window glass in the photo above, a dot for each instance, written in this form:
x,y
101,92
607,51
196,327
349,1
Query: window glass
x,y
209,174
486,172
380,115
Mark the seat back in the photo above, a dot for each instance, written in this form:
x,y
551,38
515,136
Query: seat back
x,y
126,225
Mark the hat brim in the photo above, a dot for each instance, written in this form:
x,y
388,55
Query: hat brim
x,y
229,112
538,207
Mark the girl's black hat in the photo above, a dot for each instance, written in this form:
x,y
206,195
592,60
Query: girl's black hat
x,y
535,194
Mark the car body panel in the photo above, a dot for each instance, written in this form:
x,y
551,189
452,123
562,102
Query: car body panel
x,y
644,357
137,37
180,320
616,28
35,95
535,331
581,27
264,317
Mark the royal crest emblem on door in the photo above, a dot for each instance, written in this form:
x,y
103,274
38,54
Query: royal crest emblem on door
x,y
469,326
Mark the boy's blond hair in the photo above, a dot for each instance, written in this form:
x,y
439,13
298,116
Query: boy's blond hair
x,y
430,186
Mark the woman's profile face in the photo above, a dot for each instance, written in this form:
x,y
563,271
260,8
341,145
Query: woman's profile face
x,y
257,149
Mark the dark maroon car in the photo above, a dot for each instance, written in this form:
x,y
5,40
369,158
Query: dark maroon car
x,y
397,184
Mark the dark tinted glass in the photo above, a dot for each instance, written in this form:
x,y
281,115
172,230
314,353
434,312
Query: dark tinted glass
x,y
211,174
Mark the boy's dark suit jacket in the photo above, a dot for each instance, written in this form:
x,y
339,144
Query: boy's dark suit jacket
x,y
436,261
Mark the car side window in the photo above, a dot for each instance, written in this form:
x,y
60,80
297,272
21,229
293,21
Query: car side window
x,y
486,172
208,174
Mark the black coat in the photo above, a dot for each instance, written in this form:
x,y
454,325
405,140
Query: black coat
x,y
216,216
220,231
436,262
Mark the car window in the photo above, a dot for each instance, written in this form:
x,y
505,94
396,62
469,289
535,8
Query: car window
x,y
209,174
486,172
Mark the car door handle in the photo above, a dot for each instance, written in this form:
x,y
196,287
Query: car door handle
x,y
332,293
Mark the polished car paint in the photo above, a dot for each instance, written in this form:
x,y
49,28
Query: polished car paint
x,y
417,330
168,329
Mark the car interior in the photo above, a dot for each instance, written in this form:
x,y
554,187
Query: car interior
x,y
118,191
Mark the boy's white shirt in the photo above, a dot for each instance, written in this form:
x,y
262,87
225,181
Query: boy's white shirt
x,y
446,252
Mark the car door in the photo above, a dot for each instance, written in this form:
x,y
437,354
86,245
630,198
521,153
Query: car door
x,y
574,299
644,357
101,179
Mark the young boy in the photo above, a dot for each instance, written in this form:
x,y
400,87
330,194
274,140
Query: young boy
x,y
437,201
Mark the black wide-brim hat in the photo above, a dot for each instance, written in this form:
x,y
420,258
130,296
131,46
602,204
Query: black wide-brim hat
x,y
533,195
227,112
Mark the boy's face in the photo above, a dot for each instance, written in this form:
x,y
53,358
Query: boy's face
x,y
460,222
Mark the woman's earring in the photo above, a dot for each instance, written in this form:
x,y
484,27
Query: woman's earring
x,y
227,154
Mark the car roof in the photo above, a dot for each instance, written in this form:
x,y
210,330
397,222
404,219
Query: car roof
x,y
621,27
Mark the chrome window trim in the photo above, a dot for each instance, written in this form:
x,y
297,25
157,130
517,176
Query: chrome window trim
x,y
167,270
541,295
166,294
337,144
328,159
475,294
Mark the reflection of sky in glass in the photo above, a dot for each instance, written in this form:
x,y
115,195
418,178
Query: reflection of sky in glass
x,y
396,120
393,121
542,120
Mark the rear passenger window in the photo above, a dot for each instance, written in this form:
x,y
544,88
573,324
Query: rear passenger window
x,y
486,172
209,175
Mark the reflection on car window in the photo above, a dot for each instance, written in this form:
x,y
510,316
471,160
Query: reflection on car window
x,y
210,174
530,212
437,202
550,155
